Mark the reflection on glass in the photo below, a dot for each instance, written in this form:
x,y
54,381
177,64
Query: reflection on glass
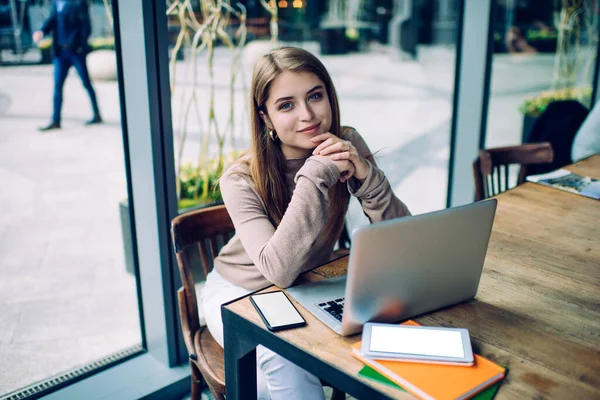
x,y
67,298
543,52
392,63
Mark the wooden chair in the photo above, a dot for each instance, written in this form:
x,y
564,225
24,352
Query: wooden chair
x,y
491,168
206,230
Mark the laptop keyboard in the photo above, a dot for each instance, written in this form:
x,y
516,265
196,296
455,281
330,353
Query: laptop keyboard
x,y
334,307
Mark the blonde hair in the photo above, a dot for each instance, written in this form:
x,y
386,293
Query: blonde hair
x,y
266,159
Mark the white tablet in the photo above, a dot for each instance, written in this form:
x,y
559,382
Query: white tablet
x,y
424,344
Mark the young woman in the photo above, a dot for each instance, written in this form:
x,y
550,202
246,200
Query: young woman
x,y
288,197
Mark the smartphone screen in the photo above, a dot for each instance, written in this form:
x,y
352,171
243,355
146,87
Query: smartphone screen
x,y
425,342
277,310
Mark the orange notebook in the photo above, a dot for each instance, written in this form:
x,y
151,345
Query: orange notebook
x,y
436,381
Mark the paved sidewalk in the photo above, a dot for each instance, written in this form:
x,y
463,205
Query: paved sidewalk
x,y
65,298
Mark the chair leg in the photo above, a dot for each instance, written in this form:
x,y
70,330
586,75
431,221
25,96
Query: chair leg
x,y
216,395
337,394
196,382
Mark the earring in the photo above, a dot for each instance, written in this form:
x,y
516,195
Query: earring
x,y
272,134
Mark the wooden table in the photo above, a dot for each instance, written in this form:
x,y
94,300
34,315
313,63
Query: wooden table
x,y
537,310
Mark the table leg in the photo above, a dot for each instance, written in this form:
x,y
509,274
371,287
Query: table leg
x,y
240,359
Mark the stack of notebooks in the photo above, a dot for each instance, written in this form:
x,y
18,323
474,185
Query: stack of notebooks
x,y
435,381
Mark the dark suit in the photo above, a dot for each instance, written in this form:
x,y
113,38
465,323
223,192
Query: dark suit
x,y
69,23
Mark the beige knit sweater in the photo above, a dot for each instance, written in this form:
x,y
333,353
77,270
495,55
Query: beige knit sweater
x,y
260,254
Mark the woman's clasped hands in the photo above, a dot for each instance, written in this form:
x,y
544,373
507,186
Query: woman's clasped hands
x,y
343,154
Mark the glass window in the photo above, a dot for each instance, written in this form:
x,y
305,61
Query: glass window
x,y
392,64
543,51
68,291
394,73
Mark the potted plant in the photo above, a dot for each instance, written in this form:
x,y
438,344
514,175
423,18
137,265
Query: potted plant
x,y
200,187
201,32
197,187
532,107
196,182
573,61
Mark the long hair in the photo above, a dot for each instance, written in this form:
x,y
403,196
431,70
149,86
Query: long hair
x,y
267,161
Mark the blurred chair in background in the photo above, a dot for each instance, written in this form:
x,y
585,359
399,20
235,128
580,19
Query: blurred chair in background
x,y
491,168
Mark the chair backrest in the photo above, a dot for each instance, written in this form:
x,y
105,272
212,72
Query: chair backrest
x,y
205,230
491,168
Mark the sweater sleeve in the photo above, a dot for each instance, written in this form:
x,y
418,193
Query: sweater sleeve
x,y
280,253
375,193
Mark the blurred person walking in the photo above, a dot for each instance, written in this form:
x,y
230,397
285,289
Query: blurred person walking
x,y
69,23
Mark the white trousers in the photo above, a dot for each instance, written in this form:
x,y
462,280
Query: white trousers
x,y
277,378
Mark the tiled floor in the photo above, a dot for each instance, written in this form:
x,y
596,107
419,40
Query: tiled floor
x,y
65,298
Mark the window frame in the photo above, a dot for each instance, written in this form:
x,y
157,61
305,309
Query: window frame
x,y
471,97
141,45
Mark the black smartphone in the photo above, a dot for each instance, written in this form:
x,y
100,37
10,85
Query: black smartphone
x,y
277,311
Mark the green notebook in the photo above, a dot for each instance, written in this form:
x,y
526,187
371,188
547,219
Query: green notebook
x,y
368,372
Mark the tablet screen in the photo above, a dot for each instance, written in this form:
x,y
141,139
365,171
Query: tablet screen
x,y
407,340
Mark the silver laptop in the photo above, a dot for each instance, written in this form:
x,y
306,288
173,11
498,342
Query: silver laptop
x,y
404,267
